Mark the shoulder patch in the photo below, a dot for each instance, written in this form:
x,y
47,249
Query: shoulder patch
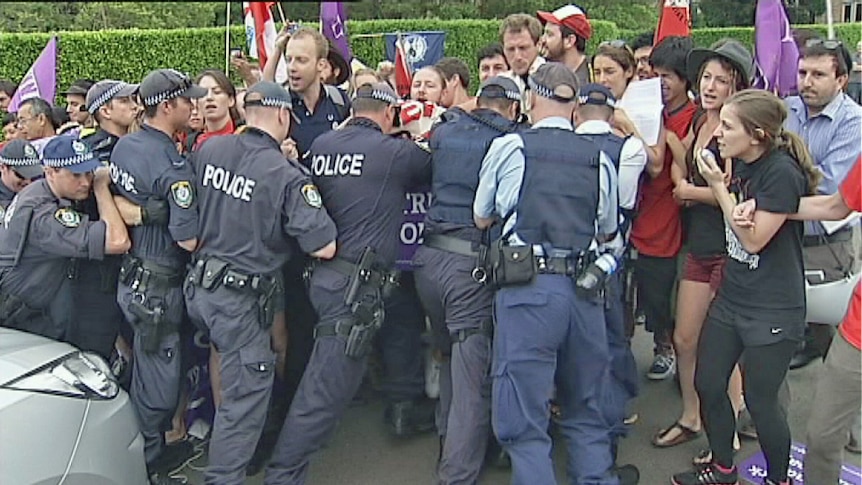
x,y
68,217
311,196
182,194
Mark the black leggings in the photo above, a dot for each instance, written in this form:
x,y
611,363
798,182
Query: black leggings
x,y
764,368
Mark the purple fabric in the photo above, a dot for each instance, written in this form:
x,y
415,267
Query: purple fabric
x,y
753,469
775,52
415,207
40,80
333,23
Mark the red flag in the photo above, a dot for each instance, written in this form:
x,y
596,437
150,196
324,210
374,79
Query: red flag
x,y
675,19
403,76
259,17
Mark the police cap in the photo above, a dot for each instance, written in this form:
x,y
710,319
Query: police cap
x,y
69,152
106,90
596,94
165,84
22,158
499,87
268,94
555,81
379,91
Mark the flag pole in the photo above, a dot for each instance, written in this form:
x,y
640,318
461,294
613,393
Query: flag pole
x,y
281,12
227,38
830,22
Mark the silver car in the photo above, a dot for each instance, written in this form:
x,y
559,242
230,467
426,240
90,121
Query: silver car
x,y
63,417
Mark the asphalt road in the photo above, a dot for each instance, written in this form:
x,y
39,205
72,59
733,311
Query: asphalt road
x,y
362,453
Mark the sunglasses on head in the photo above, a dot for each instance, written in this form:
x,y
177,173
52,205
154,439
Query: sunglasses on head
x,y
832,45
617,44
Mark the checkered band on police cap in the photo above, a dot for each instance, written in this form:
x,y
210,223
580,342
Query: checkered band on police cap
x,y
105,90
596,94
166,84
19,153
554,80
66,151
268,94
379,91
505,88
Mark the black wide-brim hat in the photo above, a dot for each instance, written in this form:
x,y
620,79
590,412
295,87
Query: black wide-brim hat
x,y
337,60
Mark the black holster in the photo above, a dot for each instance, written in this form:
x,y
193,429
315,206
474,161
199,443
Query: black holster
x,y
150,284
210,272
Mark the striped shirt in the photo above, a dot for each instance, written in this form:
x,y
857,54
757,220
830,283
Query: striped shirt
x,y
833,137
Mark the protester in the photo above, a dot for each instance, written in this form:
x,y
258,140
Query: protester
x,y
719,72
364,76
491,61
7,90
457,81
567,30
218,106
35,122
642,46
10,126
335,70
429,85
520,35
748,317
76,102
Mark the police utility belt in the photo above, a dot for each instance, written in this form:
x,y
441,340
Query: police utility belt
x,y
367,287
209,273
150,283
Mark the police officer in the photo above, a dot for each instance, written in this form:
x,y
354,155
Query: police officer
x,y
548,184
19,165
42,234
146,164
97,317
363,176
451,295
236,276
593,114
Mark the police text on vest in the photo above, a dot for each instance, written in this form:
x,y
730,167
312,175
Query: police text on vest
x,y
340,164
233,185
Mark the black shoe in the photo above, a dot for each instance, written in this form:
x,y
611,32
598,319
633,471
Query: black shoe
x,y
707,475
174,458
803,358
408,418
628,474
161,479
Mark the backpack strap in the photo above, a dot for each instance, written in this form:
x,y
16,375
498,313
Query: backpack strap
x,y
337,97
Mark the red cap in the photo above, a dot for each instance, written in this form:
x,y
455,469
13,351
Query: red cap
x,y
570,16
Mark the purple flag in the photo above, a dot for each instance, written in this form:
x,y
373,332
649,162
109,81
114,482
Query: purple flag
x,y
333,24
40,80
775,52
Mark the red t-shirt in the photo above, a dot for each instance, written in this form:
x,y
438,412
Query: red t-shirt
x,y
851,191
657,229
228,129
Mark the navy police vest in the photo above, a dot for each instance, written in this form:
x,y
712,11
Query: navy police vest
x,y
559,198
458,148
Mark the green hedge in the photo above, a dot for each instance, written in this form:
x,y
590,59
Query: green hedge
x,y
130,54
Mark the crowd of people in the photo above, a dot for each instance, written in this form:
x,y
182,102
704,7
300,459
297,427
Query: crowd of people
x,y
255,233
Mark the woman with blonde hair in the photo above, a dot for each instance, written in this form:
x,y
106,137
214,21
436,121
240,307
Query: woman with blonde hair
x,y
759,312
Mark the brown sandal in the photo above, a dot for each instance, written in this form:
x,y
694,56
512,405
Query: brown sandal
x,y
685,435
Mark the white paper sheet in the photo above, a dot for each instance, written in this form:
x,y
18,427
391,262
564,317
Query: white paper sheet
x,y
643,105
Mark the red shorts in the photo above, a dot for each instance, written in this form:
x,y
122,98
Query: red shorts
x,y
704,269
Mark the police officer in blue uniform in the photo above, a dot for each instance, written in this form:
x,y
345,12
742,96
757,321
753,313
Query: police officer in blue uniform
x,y
593,114
556,195
144,165
19,165
97,317
42,234
363,175
445,278
235,280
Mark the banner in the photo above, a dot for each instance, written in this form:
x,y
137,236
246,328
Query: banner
x,y
40,80
415,207
260,35
675,19
775,53
753,469
420,48
333,24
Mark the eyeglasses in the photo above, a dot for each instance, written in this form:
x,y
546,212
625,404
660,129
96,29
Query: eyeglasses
x,y
22,121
